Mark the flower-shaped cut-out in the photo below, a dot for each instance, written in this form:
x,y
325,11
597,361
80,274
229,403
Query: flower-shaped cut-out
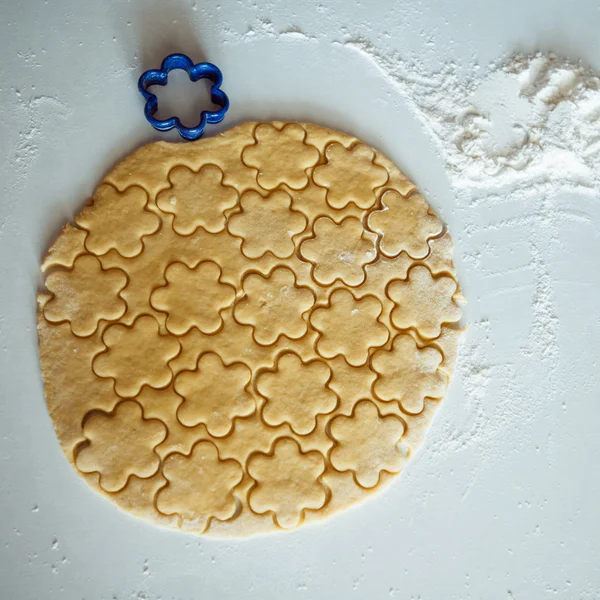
x,y
280,156
197,199
408,374
214,394
195,71
367,443
296,392
193,297
286,482
274,305
117,220
350,176
136,356
120,444
85,295
423,302
267,224
339,251
404,224
200,486
349,327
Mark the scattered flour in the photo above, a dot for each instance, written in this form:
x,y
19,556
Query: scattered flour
x,y
523,120
32,113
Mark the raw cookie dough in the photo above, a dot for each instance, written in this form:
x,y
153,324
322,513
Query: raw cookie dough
x,y
249,332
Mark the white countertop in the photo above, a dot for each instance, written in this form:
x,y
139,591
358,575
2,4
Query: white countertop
x,y
502,501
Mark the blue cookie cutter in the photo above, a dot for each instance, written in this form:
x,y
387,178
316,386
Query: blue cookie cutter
x,y
195,72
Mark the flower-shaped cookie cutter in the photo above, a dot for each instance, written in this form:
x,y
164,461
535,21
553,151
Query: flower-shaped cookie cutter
x,y
195,72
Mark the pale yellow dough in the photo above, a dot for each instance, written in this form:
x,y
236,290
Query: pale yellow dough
x,y
249,332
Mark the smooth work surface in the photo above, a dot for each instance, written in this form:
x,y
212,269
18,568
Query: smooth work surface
x,y
502,500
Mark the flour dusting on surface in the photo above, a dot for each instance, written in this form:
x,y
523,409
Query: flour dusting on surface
x,y
525,119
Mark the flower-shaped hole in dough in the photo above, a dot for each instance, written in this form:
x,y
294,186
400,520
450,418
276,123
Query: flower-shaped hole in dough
x,y
296,392
404,224
349,327
287,482
408,374
266,224
117,220
135,356
193,297
200,486
274,305
367,443
423,302
350,176
197,199
120,444
280,156
85,295
214,394
339,251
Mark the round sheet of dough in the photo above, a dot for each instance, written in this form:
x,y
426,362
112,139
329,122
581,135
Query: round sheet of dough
x,y
249,332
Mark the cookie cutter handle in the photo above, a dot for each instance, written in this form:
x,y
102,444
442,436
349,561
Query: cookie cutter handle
x,y
195,72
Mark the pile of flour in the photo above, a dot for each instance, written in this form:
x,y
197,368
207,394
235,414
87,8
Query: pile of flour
x,y
524,120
